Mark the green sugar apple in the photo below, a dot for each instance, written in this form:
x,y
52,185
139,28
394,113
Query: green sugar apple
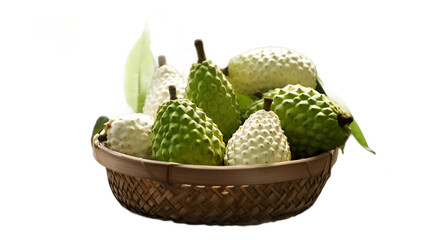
x,y
130,134
259,140
208,89
183,133
311,121
268,68
163,77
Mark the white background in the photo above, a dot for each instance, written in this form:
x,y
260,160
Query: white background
x,y
62,65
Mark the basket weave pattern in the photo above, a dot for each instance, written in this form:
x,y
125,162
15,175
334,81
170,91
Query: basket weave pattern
x,y
221,205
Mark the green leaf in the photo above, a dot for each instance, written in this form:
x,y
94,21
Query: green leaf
x,y
243,101
356,132
138,72
99,125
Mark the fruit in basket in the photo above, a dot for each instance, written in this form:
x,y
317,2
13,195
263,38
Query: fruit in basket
x,y
183,133
163,77
268,68
311,121
209,89
130,134
259,140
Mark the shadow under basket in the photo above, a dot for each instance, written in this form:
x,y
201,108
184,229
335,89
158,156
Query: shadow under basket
x,y
215,195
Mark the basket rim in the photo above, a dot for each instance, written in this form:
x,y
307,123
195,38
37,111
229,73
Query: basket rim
x,y
178,173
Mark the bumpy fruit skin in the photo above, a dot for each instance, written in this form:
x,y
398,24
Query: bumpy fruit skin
x,y
308,118
259,140
183,133
163,77
268,68
208,88
130,134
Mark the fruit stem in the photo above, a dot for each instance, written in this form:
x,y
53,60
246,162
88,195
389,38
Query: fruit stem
x,y
172,90
258,94
344,120
162,60
225,71
200,50
267,103
102,137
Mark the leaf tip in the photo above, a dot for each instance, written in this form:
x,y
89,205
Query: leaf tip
x,y
370,150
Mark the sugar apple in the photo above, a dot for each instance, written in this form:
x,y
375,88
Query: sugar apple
x,y
183,133
130,134
259,140
157,93
311,121
208,89
268,68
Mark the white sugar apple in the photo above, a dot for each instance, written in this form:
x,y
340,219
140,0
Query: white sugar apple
x,y
130,134
268,68
259,140
163,77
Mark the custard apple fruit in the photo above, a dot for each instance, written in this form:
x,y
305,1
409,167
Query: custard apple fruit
x,y
183,133
268,68
312,122
208,89
163,77
130,134
259,140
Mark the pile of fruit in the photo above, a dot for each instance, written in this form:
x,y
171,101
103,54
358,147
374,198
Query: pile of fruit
x,y
200,121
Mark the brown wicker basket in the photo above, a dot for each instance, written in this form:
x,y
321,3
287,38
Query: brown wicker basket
x,y
221,195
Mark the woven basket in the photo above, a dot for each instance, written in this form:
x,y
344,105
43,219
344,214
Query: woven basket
x,y
215,195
